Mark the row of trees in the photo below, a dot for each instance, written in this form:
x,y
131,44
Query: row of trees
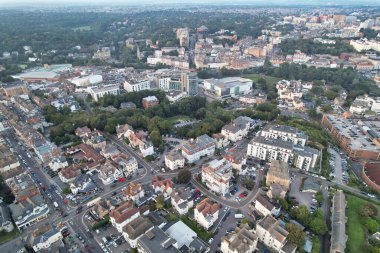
x,y
308,46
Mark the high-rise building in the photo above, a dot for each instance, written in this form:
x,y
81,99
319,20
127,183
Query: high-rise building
x,y
183,37
190,83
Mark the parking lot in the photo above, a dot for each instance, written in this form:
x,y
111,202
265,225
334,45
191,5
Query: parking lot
x,y
338,166
302,198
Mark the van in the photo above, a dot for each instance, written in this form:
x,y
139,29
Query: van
x,y
105,240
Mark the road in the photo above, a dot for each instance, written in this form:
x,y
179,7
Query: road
x,y
335,184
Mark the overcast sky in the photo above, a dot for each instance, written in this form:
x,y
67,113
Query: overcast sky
x,y
126,2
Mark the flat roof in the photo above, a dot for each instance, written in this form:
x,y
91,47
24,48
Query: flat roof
x,y
359,132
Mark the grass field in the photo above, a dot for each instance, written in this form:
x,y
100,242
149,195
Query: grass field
x,y
269,79
355,230
4,236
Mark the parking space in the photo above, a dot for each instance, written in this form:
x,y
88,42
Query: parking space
x,y
110,240
300,197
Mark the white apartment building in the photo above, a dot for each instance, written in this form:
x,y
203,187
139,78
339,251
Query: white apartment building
x,y
194,150
271,233
87,80
137,85
216,175
277,149
98,92
265,207
127,163
206,213
146,148
285,133
174,160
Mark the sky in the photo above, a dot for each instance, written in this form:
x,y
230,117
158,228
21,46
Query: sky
x,y
126,2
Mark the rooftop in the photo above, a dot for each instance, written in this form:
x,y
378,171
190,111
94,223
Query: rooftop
x,y
241,239
360,133
338,223
156,241
273,226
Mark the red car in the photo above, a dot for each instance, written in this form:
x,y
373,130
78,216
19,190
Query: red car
x,y
243,195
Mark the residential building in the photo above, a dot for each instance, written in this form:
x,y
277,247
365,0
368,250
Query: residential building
x,y
206,213
235,131
273,235
29,211
237,159
242,240
185,238
98,92
265,207
101,208
228,87
69,174
338,223
127,163
109,150
6,223
278,174
58,163
163,186
194,150
11,90
285,133
220,141
216,175
46,239
156,240
150,101
137,84
109,172
124,131
83,185
128,105
181,201
136,229
183,36
123,214
276,149
174,160
7,160
134,192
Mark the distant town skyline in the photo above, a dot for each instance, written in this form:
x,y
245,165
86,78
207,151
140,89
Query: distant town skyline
x,y
157,2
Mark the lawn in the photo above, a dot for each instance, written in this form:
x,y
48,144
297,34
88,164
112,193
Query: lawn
x,y
355,230
4,236
269,79
203,234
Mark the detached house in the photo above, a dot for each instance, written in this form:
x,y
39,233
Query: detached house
x,y
206,213
182,201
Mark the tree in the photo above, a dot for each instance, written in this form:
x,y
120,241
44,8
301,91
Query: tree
x,y
319,197
248,183
368,210
372,225
184,176
160,201
296,235
302,214
318,225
